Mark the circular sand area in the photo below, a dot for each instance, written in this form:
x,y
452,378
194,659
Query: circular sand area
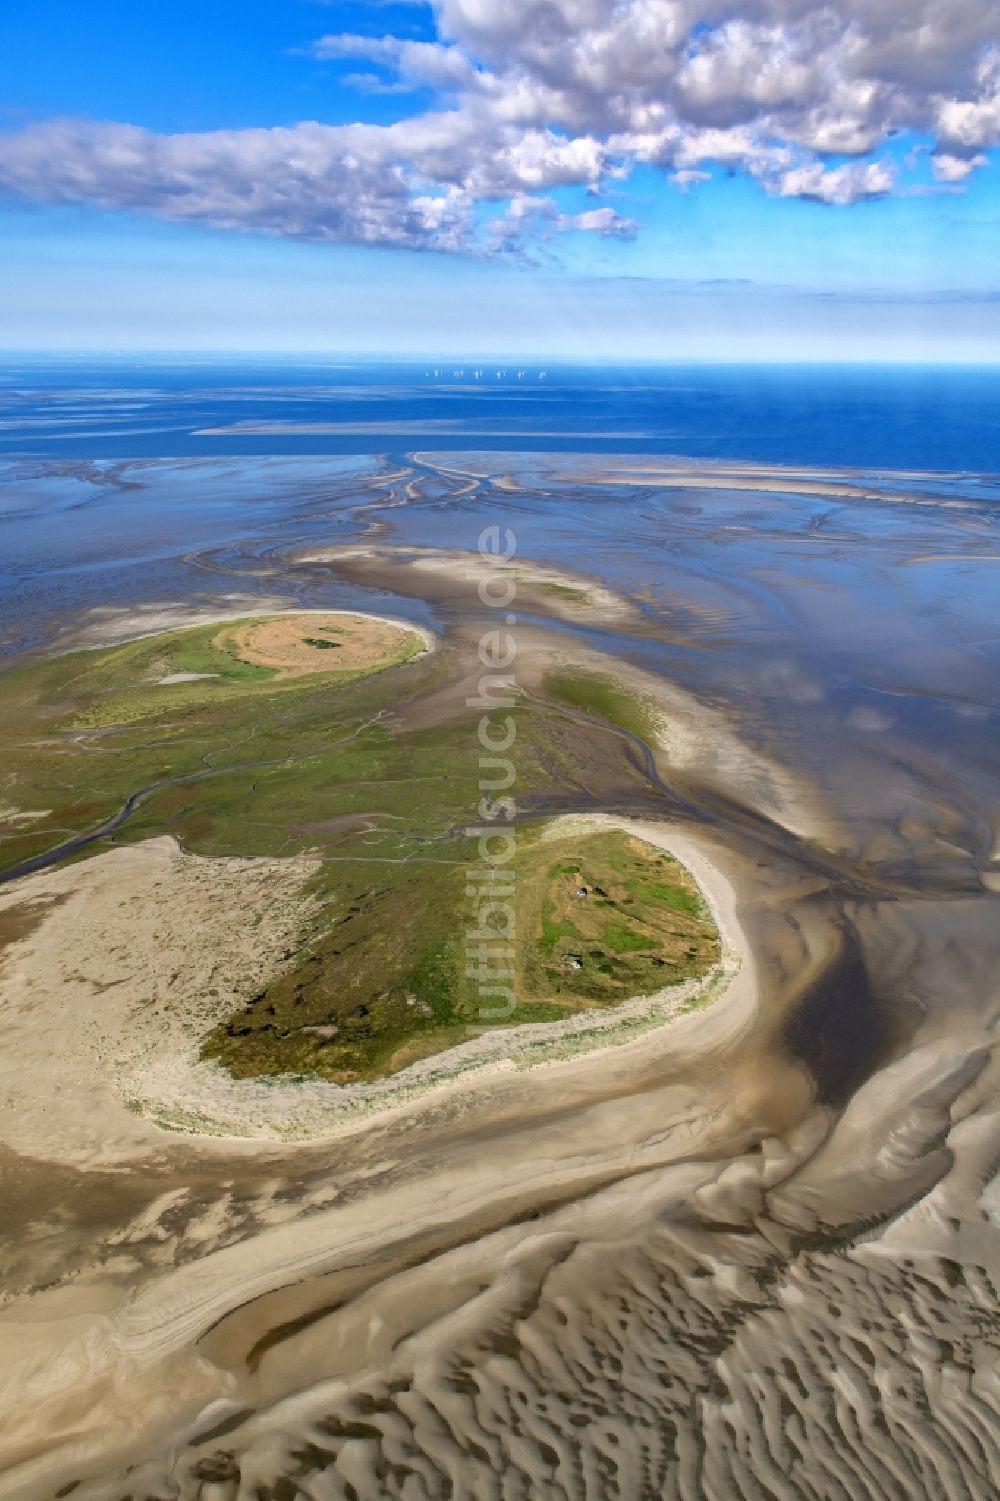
x,y
294,645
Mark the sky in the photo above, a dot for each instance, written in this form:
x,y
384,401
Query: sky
x,y
589,179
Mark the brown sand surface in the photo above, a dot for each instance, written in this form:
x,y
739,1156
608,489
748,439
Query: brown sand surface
x,y
666,1310
674,1268
129,959
143,1340
711,1261
109,625
288,643
682,474
455,576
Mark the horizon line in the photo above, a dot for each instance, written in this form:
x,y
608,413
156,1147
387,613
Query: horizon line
x,y
206,356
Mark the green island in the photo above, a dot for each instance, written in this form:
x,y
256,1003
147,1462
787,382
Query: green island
x,y
255,738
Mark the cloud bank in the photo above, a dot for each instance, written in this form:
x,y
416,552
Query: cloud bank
x,y
538,95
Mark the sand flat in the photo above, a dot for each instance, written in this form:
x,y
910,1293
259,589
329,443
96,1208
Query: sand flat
x,y
132,957
334,641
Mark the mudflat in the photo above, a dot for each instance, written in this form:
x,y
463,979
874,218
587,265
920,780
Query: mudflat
x,y
736,1231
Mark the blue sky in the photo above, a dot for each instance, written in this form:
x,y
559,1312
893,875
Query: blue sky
x,y
502,176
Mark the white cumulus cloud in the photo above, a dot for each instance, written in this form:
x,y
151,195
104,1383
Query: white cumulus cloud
x,y
540,95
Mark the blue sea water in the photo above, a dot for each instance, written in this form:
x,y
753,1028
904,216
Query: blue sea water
x,y
871,417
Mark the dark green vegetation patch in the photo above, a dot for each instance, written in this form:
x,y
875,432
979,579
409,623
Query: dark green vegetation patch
x,y
384,979
604,699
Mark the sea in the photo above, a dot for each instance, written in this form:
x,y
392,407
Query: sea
x,y
912,418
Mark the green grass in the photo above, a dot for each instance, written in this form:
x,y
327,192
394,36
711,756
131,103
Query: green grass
x,y
620,939
624,940
603,698
553,931
382,980
570,593
379,978
77,745
204,649
196,651
678,897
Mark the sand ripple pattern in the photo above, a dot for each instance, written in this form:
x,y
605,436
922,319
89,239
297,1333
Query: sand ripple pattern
x,y
678,1335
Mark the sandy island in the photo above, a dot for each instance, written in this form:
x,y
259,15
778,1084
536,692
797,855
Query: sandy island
x,y
129,959
107,625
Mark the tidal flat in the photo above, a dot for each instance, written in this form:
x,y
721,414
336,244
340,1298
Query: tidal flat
x,y
724,1231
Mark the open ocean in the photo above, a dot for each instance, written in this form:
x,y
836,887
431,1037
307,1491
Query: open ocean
x,y
882,417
